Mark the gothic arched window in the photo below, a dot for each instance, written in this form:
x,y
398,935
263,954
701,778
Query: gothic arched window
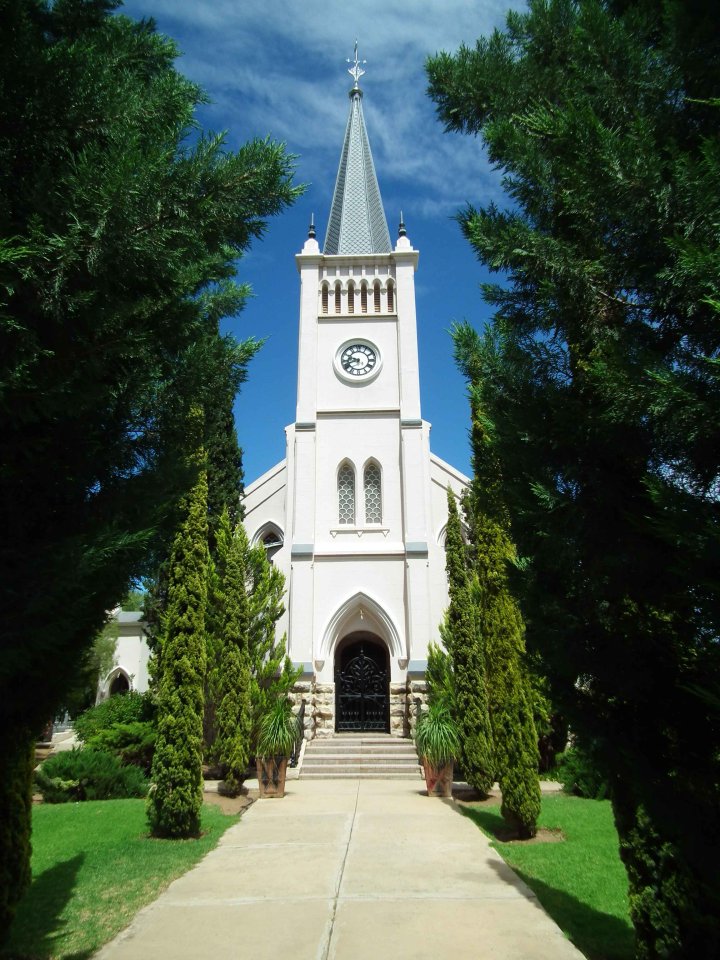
x,y
373,494
376,295
391,298
338,298
346,494
324,298
363,298
272,541
351,298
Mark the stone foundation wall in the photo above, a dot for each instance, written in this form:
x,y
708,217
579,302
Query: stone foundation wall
x,y
399,725
417,702
303,690
405,700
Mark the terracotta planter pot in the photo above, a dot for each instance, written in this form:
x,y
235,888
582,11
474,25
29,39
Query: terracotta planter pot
x,y
271,775
439,780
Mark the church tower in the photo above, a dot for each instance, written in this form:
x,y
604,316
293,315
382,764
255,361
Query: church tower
x,y
355,515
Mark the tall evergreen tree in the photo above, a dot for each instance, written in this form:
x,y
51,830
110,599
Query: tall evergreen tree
x,y
599,376
468,659
110,299
175,798
232,678
510,704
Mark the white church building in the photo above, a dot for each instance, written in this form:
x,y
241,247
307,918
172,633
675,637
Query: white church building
x,y
355,514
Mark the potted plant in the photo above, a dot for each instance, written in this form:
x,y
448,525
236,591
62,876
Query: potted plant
x,y
276,738
438,744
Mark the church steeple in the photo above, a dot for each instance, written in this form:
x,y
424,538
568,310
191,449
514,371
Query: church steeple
x,y
357,223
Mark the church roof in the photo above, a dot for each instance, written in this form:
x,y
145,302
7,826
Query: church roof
x,y
357,222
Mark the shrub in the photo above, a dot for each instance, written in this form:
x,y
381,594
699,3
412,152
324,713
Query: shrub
x,y
578,771
436,735
88,775
132,743
278,730
122,708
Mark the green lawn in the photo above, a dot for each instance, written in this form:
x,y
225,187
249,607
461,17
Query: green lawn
x,y
94,866
580,881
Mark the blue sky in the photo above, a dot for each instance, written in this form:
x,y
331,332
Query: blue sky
x,y
278,68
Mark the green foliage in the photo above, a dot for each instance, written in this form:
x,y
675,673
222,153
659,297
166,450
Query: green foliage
x,y
16,771
278,729
231,678
175,798
468,662
577,770
133,601
122,223
439,673
95,663
436,735
131,707
273,674
225,472
88,774
510,700
132,743
599,390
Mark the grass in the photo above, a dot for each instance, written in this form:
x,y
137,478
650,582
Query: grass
x,y
580,881
94,867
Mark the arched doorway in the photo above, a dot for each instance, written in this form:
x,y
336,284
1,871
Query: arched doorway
x,y
120,684
362,684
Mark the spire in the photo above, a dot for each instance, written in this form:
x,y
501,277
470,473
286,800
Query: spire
x,y
357,222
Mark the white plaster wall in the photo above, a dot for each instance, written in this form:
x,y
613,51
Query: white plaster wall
x,y
334,392
358,439
132,655
337,582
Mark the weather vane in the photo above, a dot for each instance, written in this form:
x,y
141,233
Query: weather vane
x,y
356,71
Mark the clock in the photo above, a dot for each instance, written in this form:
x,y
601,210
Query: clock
x,y
358,359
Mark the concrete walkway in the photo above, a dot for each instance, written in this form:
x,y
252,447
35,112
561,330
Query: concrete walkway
x,y
347,870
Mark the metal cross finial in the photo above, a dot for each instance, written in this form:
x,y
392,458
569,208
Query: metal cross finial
x,y
356,71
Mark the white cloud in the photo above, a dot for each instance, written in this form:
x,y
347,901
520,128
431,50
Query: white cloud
x,y
278,68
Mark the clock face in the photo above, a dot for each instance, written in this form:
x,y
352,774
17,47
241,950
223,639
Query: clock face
x,y
358,359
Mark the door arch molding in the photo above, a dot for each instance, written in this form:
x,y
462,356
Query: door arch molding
x,y
360,612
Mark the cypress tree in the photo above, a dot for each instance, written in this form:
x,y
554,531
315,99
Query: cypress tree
x,y
468,661
233,680
601,374
515,742
16,773
175,798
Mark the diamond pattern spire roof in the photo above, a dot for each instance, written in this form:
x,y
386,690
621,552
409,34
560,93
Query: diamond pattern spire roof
x,y
357,222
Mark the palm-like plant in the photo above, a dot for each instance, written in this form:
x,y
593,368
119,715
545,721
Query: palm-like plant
x,y
436,735
278,730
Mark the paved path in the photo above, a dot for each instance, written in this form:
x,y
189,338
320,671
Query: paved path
x,y
347,870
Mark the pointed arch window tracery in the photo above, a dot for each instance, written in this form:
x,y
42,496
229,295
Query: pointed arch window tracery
x,y
373,493
346,494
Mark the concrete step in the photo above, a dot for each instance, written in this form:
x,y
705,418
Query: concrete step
x,y
358,775
376,756
360,751
352,771
334,759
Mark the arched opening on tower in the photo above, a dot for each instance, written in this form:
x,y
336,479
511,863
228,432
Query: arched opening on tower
x,y
119,684
362,684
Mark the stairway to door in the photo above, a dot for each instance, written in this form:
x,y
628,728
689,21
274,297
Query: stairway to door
x,y
371,756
